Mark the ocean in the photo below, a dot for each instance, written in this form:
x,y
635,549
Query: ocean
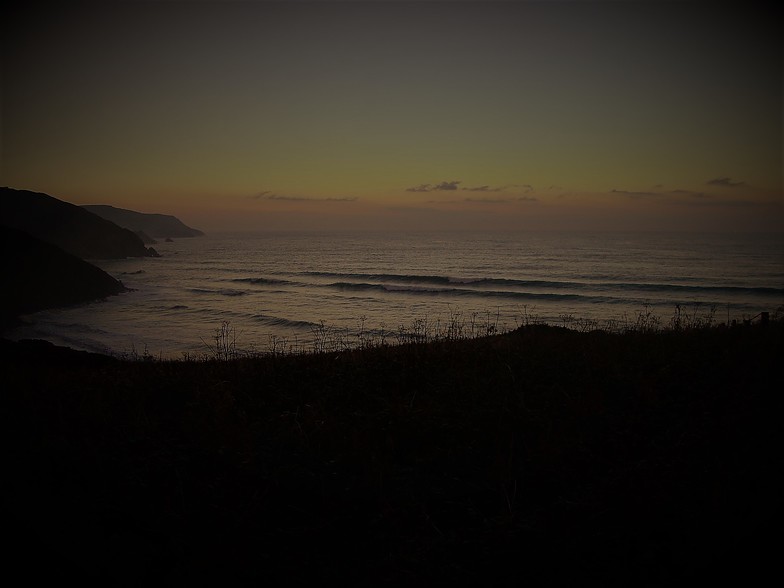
x,y
300,291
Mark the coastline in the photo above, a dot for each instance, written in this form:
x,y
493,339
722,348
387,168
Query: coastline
x,y
284,287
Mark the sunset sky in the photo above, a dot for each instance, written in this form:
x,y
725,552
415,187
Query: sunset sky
x,y
400,115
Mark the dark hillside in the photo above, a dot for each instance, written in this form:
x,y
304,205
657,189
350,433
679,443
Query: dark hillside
x,y
70,227
544,456
38,275
158,226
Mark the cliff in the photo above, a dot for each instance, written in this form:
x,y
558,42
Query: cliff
x,y
38,275
70,227
158,226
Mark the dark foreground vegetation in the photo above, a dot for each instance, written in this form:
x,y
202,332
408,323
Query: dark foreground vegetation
x,y
541,456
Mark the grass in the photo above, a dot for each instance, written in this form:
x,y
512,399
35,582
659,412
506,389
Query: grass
x,y
543,455
225,343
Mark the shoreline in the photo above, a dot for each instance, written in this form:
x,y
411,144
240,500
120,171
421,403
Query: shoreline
x,y
284,288
227,341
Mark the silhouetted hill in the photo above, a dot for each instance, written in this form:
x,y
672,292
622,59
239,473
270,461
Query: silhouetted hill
x,y
155,225
540,457
38,275
68,226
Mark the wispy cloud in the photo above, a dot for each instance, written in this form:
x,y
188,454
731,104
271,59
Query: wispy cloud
x,y
452,185
725,183
443,186
420,188
484,189
507,187
289,198
265,195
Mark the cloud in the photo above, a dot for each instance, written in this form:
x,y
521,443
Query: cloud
x,y
453,185
486,189
265,195
443,186
420,188
447,185
725,183
289,198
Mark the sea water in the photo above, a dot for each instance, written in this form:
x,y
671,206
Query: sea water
x,y
285,290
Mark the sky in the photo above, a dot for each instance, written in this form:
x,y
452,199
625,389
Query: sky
x,y
420,115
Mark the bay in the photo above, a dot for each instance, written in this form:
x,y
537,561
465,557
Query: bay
x,y
289,291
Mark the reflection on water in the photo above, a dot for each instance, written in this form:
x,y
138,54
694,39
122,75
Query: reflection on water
x,y
271,286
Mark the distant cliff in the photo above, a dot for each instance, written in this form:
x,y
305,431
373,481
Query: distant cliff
x,y
38,275
158,226
68,226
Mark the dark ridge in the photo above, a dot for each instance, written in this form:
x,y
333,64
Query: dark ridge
x,y
70,227
38,275
540,457
160,226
